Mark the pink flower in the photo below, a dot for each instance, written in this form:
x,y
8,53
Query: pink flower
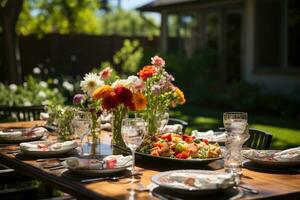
x,y
158,61
105,73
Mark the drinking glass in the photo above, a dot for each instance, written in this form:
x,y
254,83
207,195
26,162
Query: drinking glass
x,y
81,125
237,134
133,131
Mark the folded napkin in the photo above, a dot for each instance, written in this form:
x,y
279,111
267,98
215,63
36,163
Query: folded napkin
x,y
106,126
113,161
203,181
106,118
176,128
44,116
292,154
35,146
209,135
78,163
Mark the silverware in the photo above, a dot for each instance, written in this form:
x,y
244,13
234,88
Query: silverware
x,y
48,159
248,189
108,178
58,167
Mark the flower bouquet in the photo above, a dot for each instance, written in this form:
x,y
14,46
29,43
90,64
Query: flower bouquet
x,y
160,92
120,97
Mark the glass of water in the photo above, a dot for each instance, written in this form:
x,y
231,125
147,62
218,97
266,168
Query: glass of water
x,y
133,131
81,125
236,126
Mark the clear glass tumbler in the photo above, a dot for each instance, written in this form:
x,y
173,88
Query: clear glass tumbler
x,y
236,126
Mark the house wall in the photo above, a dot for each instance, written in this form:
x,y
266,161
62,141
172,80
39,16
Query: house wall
x,y
284,81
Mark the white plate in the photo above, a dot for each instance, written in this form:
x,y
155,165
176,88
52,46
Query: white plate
x,y
162,179
268,160
18,139
51,153
96,172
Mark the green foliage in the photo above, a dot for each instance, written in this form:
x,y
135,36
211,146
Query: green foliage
x,y
80,16
69,16
128,23
31,92
127,60
62,116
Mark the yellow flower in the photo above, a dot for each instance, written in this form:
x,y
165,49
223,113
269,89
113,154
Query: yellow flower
x,y
180,95
139,101
102,91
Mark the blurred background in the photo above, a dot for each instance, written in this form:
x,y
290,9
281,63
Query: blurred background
x,y
226,55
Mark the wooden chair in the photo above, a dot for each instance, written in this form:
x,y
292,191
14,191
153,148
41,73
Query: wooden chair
x,y
259,139
21,113
173,121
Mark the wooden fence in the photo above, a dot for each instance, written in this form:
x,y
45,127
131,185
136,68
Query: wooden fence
x,y
72,54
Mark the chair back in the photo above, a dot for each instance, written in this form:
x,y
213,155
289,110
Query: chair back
x,y
20,113
173,121
259,139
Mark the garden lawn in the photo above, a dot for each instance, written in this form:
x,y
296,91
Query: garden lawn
x,y
285,131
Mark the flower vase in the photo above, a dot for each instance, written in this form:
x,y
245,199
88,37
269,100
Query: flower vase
x,y
156,121
118,115
94,132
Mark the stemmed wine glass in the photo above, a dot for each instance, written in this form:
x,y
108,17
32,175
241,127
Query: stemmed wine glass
x,y
81,125
237,134
133,131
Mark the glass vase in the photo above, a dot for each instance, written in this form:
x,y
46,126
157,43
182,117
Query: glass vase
x,y
156,120
95,127
118,115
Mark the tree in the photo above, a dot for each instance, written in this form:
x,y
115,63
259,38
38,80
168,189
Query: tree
x,y
57,16
9,13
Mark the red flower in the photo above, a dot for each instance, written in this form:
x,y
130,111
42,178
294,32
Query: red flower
x,y
110,101
147,71
124,95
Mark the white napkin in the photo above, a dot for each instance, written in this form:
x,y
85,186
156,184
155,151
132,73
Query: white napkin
x,y
29,146
121,160
77,163
292,154
209,135
203,181
176,128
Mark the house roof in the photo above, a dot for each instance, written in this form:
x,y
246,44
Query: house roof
x,y
159,5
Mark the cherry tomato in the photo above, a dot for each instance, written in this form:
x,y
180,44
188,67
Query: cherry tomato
x,y
167,136
205,141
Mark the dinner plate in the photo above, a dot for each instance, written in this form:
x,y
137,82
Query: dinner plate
x,y
164,180
98,172
51,153
268,160
19,139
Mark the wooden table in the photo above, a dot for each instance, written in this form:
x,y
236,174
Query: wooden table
x,y
280,186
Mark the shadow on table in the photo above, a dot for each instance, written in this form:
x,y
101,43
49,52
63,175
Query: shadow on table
x,y
164,194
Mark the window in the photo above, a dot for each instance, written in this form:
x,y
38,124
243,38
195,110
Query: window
x,y
277,33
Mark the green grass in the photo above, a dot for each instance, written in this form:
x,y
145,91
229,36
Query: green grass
x,y
285,131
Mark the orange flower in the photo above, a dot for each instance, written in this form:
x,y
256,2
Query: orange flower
x,y
139,101
180,95
101,92
147,71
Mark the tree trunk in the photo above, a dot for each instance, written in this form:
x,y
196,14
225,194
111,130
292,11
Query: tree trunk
x,y
9,16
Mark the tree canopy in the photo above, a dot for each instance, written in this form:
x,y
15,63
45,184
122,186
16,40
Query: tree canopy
x,y
81,16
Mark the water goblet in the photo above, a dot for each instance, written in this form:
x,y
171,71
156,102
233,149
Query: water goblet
x,y
81,125
236,127
133,131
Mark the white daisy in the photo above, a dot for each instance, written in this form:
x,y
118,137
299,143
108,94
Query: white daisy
x,y
13,87
90,83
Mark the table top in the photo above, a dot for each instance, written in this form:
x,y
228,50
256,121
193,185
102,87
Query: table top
x,y
269,185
